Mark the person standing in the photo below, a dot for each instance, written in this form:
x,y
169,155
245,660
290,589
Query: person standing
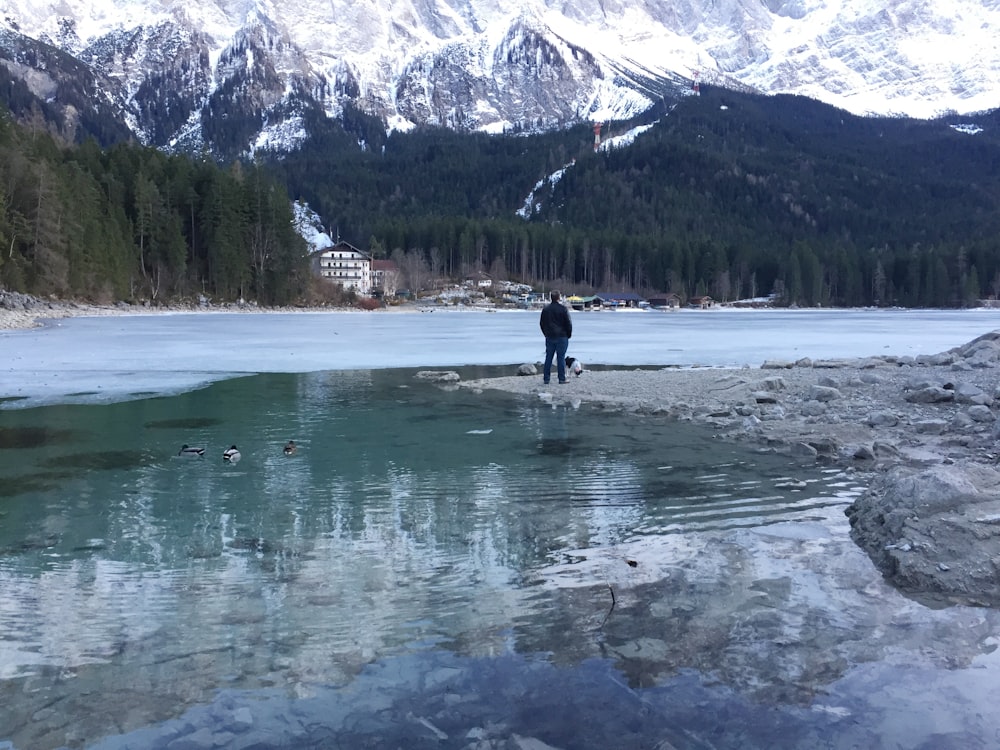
x,y
558,329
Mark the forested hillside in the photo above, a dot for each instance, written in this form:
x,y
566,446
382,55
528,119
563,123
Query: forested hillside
x,y
734,195
130,223
727,194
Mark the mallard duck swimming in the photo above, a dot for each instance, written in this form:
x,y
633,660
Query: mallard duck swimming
x,y
290,448
231,454
189,452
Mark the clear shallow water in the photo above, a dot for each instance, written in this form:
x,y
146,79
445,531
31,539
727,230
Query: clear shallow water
x,y
414,523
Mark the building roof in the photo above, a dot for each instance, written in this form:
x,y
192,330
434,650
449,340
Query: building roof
x,y
342,247
384,265
620,296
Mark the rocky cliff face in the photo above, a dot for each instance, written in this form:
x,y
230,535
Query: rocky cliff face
x,y
176,71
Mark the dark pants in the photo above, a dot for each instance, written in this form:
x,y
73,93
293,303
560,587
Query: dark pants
x,y
555,347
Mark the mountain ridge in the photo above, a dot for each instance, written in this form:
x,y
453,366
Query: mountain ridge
x,y
169,68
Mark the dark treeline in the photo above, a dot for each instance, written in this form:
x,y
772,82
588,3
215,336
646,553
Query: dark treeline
x,y
357,177
131,223
735,195
728,194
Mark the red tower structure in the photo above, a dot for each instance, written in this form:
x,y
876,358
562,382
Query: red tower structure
x,y
597,135
694,85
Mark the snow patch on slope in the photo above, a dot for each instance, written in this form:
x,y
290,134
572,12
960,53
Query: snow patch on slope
x,y
281,137
310,228
533,202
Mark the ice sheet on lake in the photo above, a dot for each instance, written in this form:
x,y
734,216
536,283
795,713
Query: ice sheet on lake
x,y
111,358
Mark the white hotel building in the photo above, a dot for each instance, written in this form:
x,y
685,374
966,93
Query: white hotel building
x,y
346,265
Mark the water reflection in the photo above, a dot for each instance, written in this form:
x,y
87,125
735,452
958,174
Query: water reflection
x,y
13,438
417,526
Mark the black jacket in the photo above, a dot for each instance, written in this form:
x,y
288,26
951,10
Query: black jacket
x,y
555,322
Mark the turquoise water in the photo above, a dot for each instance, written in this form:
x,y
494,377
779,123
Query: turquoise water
x,y
431,568
410,513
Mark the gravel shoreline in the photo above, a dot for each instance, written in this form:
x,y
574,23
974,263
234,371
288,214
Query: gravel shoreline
x,y
849,412
902,424
21,311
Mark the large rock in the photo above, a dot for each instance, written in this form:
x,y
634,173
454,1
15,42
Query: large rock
x,y
981,413
936,360
983,351
882,419
935,534
966,393
931,395
774,384
18,301
438,376
824,393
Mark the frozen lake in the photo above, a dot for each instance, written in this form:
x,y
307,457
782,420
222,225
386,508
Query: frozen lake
x,y
87,359
442,569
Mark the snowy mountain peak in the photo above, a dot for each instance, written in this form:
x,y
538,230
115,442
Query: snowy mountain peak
x,y
478,64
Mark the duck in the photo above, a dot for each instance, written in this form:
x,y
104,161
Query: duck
x,y
231,454
290,448
189,452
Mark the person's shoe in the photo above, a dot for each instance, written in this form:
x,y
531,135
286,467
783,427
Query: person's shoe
x,y
545,382
562,382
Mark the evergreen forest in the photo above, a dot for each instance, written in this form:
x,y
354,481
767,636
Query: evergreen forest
x,y
728,194
131,223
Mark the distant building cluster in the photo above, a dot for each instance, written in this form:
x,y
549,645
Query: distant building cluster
x,y
611,301
355,270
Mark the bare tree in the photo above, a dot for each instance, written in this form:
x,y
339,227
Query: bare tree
x,y
498,270
415,269
723,287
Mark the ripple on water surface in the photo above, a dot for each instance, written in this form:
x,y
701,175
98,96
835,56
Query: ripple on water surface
x,y
460,542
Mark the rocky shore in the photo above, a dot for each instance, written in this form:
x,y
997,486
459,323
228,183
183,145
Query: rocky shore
x,y
19,311
25,311
923,431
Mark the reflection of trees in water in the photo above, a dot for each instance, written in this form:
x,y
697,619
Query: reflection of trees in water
x,y
407,513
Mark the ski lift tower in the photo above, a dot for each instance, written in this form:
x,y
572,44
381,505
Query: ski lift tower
x,y
597,135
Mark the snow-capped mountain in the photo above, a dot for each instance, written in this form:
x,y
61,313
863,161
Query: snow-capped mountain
x,y
179,71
